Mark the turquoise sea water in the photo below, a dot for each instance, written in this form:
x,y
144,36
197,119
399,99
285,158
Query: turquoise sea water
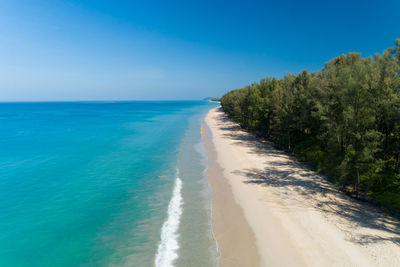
x,y
104,184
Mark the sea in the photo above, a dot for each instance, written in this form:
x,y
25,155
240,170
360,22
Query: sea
x,y
104,184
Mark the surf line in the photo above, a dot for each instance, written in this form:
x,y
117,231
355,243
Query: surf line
x,y
167,251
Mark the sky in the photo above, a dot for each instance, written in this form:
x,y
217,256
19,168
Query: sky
x,y
176,50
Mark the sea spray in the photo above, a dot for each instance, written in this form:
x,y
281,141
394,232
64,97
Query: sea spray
x,y
168,247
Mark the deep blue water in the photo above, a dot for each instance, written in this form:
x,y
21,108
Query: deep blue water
x,y
89,183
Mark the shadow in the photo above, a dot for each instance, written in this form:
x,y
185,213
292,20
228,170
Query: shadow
x,y
307,189
233,131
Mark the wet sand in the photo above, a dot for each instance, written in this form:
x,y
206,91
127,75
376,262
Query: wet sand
x,y
235,239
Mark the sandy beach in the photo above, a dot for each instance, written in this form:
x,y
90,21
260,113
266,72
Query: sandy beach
x,y
270,210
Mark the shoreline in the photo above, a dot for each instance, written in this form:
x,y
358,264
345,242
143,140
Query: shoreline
x,y
292,216
235,244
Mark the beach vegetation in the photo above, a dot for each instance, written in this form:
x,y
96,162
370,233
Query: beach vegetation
x,y
343,120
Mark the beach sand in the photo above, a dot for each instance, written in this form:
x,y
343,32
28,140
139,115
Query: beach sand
x,y
269,210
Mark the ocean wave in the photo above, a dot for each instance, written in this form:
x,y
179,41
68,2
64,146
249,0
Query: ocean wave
x,y
168,248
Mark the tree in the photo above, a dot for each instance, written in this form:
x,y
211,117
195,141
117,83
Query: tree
x,y
345,118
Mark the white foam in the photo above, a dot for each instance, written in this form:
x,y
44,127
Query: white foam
x,y
168,248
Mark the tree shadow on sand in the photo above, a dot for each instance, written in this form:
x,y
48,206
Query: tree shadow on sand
x,y
296,182
233,131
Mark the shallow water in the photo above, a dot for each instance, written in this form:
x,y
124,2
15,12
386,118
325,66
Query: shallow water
x,y
90,183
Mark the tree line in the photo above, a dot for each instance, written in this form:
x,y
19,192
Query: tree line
x,y
344,120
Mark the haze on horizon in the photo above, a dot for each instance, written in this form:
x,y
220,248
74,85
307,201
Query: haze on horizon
x,y
152,50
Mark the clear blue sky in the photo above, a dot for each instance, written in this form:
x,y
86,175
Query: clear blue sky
x,y
139,50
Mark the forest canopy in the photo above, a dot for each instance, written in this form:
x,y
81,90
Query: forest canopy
x,y
344,120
